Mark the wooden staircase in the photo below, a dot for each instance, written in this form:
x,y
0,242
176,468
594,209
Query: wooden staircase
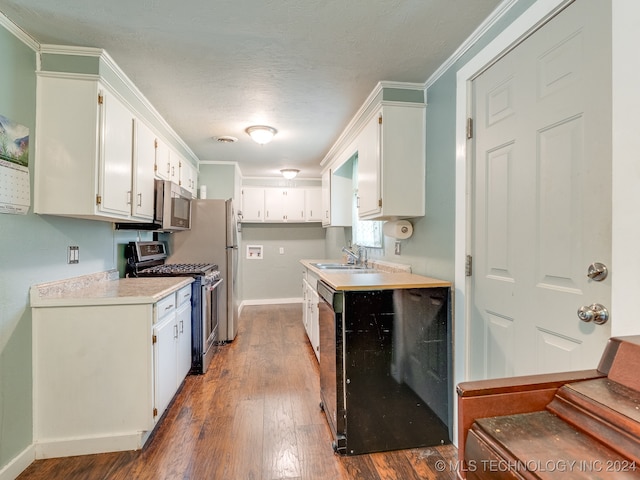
x,y
575,425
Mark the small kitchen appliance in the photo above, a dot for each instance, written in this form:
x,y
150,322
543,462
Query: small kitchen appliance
x,y
149,259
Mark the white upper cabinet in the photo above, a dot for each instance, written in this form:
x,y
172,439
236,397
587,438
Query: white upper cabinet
x,y
188,176
84,151
144,153
252,204
313,204
163,161
97,145
391,163
284,205
388,134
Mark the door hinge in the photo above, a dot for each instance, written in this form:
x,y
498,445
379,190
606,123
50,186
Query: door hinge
x,y
469,128
100,99
155,412
380,120
380,202
155,143
468,266
154,339
98,199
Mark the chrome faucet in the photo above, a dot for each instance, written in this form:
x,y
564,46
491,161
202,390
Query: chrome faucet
x,y
359,258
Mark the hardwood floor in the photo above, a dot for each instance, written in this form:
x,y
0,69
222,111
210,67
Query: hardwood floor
x,y
254,415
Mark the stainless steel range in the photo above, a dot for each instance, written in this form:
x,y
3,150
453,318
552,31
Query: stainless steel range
x,y
147,259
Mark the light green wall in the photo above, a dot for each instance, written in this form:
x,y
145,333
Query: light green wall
x,y
34,250
278,275
219,179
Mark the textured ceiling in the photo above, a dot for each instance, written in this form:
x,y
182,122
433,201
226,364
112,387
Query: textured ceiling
x,y
212,68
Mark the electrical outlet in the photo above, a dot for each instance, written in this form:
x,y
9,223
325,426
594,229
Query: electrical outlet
x,y
73,254
397,250
281,250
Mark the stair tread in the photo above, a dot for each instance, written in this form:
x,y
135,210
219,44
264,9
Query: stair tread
x,y
542,439
609,394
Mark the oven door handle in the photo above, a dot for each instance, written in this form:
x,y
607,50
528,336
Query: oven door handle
x,y
214,285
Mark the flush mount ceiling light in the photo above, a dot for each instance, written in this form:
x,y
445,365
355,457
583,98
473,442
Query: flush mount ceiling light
x,y
261,133
289,173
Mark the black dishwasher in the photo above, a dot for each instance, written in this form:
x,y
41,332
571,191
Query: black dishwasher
x,y
385,368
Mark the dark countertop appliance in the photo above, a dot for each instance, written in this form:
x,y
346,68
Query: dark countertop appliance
x,y
385,367
149,259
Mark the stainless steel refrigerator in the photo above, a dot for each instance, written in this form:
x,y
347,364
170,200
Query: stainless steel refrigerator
x,y
213,238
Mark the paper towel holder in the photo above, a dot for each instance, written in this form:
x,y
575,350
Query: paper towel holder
x,y
399,229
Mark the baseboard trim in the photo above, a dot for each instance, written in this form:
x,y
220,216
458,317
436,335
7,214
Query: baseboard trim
x,y
89,445
18,464
269,301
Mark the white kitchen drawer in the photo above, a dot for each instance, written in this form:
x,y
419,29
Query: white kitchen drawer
x,y
183,295
165,306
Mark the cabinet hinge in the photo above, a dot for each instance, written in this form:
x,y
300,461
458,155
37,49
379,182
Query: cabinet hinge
x,y
469,128
155,168
468,266
380,202
380,120
98,199
155,143
100,99
154,339
155,412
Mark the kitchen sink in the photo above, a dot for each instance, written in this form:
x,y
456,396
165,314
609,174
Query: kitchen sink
x,y
345,267
338,266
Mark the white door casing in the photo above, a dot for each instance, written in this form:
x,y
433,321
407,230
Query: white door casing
x,y
542,198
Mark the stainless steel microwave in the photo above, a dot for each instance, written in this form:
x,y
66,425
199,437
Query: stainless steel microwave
x,y
173,206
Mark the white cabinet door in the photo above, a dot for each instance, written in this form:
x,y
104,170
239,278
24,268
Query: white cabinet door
x,y
369,195
293,204
174,166
326,198
315,322
391,163
116,154
165,365
188,176
252,204
163,160
183,318
273,205
143,171
313,201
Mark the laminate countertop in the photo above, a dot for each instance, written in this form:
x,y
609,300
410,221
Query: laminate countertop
x,y
377,278
104,288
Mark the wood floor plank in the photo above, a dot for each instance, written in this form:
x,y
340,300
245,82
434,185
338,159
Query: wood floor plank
x,y
254,415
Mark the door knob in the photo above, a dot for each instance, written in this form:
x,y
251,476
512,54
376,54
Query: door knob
x,y
595,313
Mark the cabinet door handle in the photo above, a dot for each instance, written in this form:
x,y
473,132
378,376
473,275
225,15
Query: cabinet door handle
x,y
129,197
175,330
139,199
181,326
168,307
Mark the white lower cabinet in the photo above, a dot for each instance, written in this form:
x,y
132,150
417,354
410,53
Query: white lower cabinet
x,y
171,347
183,321
310,314
101,380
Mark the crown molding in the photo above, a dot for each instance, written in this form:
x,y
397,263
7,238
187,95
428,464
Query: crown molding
x,y
20,34
489,22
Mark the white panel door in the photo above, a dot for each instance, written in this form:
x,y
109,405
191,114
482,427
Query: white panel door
x,y
542,198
